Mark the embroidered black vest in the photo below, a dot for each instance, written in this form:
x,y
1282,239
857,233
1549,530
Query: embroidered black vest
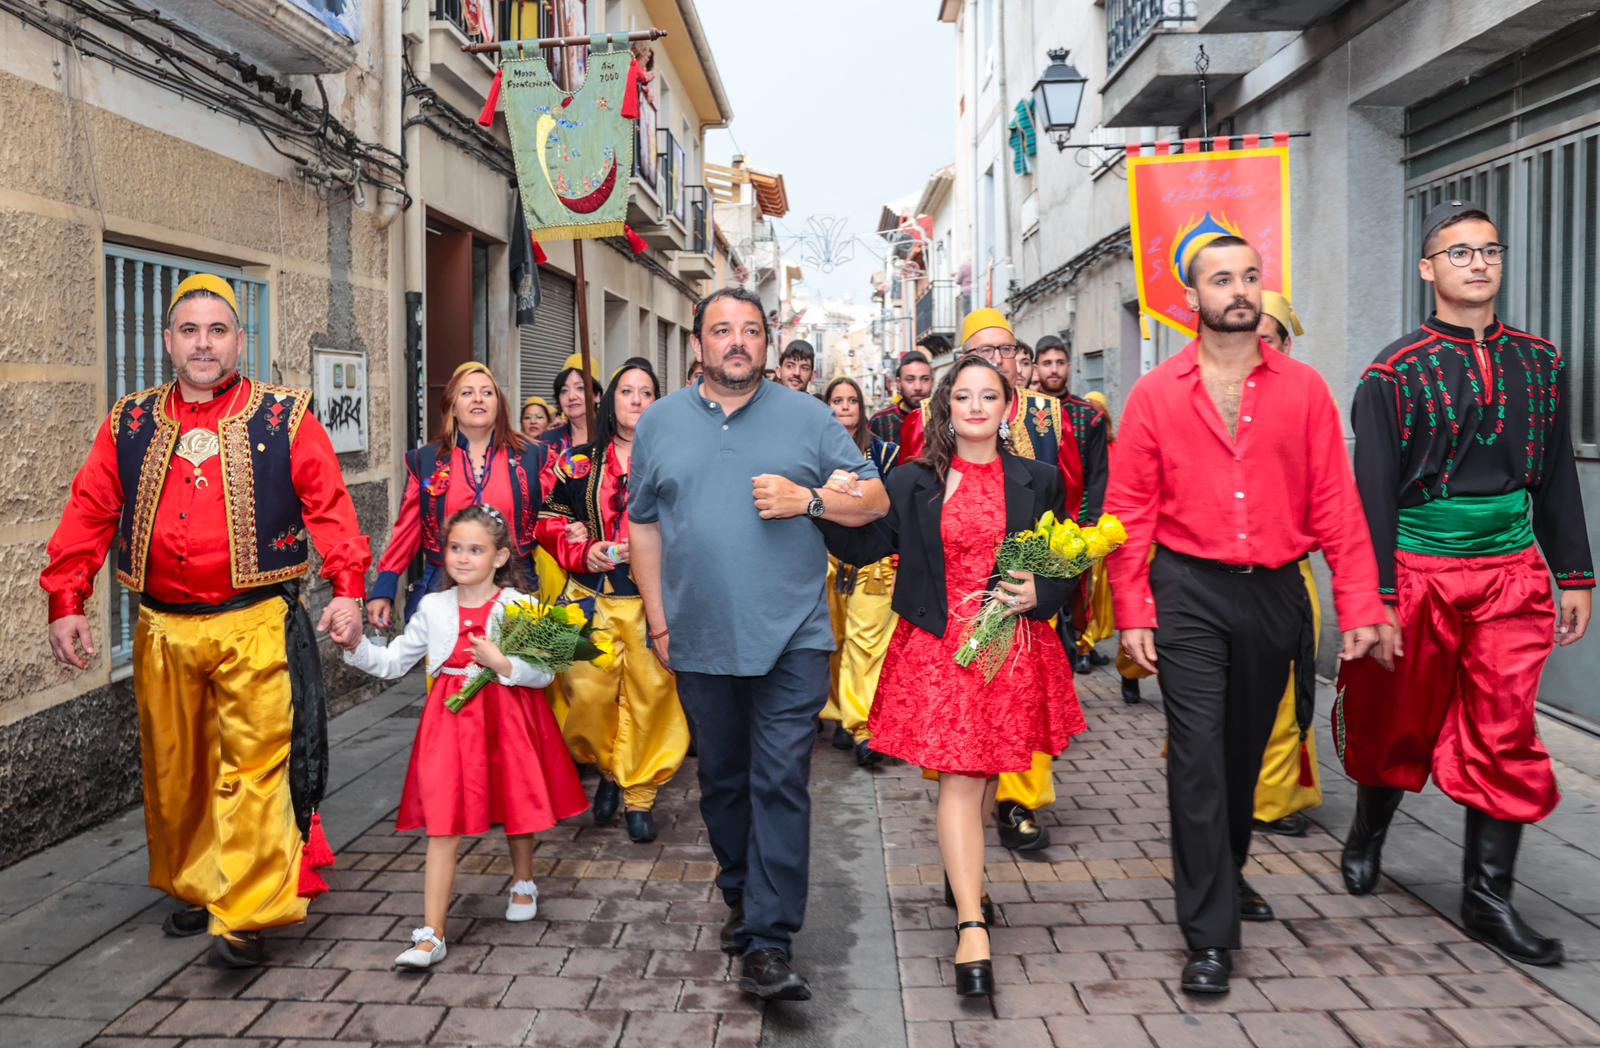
x,y
433,482
266,532
577,497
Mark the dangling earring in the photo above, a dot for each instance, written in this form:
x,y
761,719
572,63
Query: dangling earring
x,y
1005,431
950,427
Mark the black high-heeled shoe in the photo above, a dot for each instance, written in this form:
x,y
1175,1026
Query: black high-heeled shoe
x,y
974,978
987,903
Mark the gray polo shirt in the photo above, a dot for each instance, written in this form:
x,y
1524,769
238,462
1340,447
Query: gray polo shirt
x,y
739,591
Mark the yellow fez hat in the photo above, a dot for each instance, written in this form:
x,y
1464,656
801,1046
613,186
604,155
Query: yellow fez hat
x,y
209,282
1278,308
982,319
575,363
531,401
1098,399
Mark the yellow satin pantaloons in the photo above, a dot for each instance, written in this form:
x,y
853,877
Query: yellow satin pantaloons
x,y
1100,625
214,725
551,583
1278,790
626,721
836,619
869,622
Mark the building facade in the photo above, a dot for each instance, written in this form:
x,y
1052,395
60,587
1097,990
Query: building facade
x,y
1407,102
332,168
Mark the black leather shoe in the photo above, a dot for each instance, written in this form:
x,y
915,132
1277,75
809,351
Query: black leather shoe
x,y
1206,972
238,949
1130,691
1295,824
1097,659
187,922
1362,859
1489,873
641,826
607,798
842,740
733,937
1019,830
974,978
1082,664
866,756
986,904
1252,907
766,974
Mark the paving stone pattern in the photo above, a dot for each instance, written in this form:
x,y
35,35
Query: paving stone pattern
x,y
625,949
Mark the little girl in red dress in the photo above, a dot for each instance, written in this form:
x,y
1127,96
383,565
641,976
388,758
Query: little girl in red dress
x,y
501,760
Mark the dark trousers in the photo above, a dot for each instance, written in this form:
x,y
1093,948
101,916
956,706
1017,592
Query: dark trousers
x,y
755,736
1223,649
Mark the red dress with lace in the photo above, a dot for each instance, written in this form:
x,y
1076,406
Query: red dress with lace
x,y
501,761
936,714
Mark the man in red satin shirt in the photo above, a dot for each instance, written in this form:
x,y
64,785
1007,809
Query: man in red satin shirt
x,y
1232,462
207,486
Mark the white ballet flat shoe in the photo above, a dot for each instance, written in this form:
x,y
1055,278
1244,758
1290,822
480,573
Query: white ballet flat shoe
x,y
417,958
522,911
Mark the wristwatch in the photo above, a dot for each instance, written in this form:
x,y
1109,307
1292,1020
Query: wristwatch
x,y
814,507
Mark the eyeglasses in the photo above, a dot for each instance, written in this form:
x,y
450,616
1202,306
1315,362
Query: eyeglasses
x,y
1460,255
992,352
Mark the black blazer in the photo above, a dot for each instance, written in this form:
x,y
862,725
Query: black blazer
x,y
911,529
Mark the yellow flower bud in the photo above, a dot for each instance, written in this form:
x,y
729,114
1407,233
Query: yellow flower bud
x,y
1047,521
1096,543
1112,529
575,616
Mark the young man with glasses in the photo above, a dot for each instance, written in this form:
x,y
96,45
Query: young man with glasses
x,y
1464,458
1037,429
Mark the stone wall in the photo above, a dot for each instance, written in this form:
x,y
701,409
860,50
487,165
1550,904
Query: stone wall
x,y
88,176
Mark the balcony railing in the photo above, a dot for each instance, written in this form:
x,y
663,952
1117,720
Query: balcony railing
x,y
671,157
700,218
939,308
455,12
1129,21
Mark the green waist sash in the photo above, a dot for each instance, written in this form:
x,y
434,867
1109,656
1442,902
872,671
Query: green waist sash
x,y
1488,526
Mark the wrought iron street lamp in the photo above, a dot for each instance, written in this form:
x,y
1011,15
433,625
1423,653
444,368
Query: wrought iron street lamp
x,y
1057,96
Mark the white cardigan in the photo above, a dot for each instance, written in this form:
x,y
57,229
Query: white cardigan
x,y
433,631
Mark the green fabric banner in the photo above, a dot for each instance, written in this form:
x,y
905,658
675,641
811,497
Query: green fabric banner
x,y
573,150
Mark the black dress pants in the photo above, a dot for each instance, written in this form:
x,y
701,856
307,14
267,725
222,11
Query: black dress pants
x,y
1224,650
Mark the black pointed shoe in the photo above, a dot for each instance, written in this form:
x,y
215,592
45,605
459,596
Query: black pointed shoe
x,y
238,949
1295,824
1207,971
1489,873
189,921
768,975
1019,829
641,826
1097,659
866,756
733,937
974,978
986,904
1130,691
1252,907
1082,665
842,740
607,799
1362,858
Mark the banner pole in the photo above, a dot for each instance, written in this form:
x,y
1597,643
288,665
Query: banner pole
x,y
563,41
583,335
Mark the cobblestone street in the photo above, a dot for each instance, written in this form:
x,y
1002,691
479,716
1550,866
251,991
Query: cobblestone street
x,y
625,948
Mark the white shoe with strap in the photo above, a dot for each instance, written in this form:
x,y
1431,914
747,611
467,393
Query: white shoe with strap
x,y
523,911
418,958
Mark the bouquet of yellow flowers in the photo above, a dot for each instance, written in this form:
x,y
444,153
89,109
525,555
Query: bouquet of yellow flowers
x,y
553,636
1054,549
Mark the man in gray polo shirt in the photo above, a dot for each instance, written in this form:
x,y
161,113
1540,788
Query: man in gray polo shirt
x,y
724,477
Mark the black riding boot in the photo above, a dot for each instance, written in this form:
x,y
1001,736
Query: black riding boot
x,y
1363,849
1488,873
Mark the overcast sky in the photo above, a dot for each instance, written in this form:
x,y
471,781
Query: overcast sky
x,y
853,101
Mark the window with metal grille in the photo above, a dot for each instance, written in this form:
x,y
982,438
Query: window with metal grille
x,y
138,287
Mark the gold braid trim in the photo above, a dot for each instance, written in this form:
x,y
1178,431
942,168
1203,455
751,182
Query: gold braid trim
x,y
152,477
239,488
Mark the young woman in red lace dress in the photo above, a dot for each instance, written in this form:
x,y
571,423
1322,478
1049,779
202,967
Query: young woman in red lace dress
x,y
951,508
